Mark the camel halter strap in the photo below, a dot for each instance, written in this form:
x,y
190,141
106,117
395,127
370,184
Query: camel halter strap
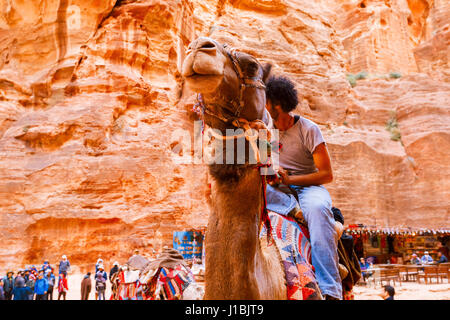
x,y
245,82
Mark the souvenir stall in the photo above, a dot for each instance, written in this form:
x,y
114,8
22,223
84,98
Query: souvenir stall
x,y
395,245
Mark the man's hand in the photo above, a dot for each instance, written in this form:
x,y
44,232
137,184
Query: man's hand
x,y
280,177
283,176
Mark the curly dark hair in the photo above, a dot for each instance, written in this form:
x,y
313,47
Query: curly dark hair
x,y
281,91
390,290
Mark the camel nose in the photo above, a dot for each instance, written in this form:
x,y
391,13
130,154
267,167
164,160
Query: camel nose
x,y
206,45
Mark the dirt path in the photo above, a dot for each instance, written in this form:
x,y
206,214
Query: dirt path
x,y
407,290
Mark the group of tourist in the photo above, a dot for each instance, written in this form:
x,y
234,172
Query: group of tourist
x,y
427,259
32,283
424,260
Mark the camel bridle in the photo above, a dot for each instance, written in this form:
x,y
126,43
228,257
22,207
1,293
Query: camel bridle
x,y
245,82
202,108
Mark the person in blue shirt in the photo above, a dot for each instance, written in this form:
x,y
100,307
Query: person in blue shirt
x,y
2,291
45,267
99,263
100,283
64,266
442,258
41,287
50,277
20,291
426,258
364,267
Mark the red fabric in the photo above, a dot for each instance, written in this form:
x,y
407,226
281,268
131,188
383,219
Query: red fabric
x,y
264,214
383,241
348,295
62,285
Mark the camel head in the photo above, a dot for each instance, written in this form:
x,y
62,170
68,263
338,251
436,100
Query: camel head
x,y
218,72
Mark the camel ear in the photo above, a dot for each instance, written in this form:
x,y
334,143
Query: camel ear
x,y
267,68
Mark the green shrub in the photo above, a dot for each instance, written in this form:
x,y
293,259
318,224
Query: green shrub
x,y
362,75
351,79
396,135
392,127
395,75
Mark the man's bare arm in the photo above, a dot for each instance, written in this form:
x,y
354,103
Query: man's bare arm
x,y
322,176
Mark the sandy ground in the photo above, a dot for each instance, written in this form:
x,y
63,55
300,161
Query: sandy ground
x,y
405,291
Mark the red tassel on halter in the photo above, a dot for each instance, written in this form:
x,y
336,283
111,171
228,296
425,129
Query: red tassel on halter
x,y
265,220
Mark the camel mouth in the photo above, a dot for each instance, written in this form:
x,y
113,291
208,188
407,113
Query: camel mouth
x,y
198,76
204,68
203,83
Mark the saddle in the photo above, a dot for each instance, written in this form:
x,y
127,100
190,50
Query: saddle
x,y
137,262
292,241
167,276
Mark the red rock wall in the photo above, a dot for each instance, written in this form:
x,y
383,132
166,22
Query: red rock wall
x,y
90,93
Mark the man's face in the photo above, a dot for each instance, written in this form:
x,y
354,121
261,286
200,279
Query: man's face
x,y
272,110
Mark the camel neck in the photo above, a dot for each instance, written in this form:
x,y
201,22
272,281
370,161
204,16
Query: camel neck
x,y
232,245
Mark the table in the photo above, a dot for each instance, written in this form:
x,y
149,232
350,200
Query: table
x,y
388,265
376,275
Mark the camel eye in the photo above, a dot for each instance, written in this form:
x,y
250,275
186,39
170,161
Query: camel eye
x,y
252,68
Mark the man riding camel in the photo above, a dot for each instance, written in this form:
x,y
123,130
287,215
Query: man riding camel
x,y
305,166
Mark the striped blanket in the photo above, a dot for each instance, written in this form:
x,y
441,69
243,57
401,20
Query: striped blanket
x,y
172,282
127,289
292,241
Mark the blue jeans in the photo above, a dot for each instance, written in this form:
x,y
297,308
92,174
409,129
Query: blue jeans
x,y
315,202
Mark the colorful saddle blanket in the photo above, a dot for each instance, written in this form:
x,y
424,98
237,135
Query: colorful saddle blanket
x,y
171,282
126,291
292,241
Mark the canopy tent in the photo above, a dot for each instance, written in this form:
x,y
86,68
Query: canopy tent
x,y
370,229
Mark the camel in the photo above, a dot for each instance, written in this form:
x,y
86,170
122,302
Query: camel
x,y
239,265
142,275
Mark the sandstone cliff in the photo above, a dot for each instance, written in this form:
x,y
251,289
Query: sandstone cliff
x,y
90,93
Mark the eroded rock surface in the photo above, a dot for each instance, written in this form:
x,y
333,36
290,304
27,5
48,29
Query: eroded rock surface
x,y
91,93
